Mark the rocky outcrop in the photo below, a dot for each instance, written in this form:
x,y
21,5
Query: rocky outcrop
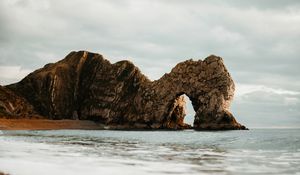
x,y
14,106
84,86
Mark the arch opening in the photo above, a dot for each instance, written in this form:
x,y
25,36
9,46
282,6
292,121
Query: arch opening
x,y
189,110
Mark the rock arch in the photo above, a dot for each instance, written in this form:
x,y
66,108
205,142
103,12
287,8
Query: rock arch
x,y
209,87
84,85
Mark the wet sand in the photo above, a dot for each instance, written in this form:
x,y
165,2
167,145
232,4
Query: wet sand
x,y
43,124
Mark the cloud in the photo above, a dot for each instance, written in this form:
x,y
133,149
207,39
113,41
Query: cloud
x,y
10,74
244,89
261,106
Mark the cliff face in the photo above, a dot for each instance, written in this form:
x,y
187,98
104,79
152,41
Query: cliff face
x,y
14,106
86,86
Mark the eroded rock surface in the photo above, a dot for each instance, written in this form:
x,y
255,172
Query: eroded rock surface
x,y
84,85
14,106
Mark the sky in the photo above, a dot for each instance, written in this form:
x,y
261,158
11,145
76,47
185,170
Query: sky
x,y
258,40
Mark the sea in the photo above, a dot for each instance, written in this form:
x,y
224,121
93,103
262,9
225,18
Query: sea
x,y
110,152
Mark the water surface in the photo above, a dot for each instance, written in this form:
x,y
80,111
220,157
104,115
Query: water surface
x,y
74,152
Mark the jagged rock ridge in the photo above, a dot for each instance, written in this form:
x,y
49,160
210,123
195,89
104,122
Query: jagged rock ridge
x,y
84,85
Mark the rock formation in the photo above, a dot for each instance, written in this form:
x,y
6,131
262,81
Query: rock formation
x,y
86,86
14,106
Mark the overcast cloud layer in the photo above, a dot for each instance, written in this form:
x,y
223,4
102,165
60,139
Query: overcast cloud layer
x,y
259,41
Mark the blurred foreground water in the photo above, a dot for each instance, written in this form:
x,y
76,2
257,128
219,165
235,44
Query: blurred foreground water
x,y
76,152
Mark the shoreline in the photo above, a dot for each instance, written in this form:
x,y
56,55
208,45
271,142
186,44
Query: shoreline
x,y
46,124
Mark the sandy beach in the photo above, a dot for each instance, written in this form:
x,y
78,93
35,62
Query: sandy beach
x,y
43,124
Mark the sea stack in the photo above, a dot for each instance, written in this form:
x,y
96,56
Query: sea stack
x,y
86,86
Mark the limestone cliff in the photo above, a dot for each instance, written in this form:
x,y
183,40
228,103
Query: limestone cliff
x,y
84,85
